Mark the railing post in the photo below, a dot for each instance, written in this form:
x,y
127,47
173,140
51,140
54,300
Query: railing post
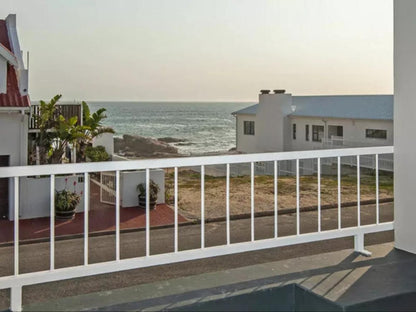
x,y
252,200
16,298
52,223
118,214
86,212
319,194
202,206
276,212
176,209
227,205
297,199
359,245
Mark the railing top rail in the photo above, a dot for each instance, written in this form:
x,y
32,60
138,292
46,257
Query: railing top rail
x,y
20,171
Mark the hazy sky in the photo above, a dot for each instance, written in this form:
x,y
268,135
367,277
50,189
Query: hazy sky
x,y
204,49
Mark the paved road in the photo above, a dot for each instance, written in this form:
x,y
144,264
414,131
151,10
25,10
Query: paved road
x,y
35,257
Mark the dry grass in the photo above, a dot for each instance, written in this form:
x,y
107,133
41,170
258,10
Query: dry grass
x,y
189,194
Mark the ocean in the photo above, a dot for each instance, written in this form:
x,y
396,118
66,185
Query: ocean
x,y
206,126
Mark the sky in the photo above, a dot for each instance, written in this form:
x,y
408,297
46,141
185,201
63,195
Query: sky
x,y
204,50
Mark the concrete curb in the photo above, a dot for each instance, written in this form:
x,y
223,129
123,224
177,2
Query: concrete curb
x,y
197,221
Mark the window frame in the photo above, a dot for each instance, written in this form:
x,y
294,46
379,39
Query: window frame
x,y
315,134
248,127
306,132
294,131
371,134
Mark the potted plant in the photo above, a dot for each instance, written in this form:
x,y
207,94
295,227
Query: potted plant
x,y
153,192
66,203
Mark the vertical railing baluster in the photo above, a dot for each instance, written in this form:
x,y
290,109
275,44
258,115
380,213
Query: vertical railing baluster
x,y
377,193
319,195
117,215
202,206
86,214
252,200
52,222
297,199
147,212
276,213
227,205
339,190
358,192
16,225
176,208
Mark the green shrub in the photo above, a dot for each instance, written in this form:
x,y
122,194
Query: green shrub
x,y
97,153
66,200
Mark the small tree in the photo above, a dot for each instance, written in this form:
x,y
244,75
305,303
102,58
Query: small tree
x,y
94,127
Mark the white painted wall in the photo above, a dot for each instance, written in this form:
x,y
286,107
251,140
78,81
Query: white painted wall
x,y
13,136
246,143
270,124
130,180
404,124
35,192
271,113
353,131
106,140
3,75
35,198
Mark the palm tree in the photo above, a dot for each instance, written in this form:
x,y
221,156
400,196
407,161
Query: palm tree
x,y
93,128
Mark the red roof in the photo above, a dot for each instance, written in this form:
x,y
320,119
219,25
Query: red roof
x,y
4,37
12,98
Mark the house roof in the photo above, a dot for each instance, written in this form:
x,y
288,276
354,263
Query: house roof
x,y
4,37
345,106
251,110
339,106
12,98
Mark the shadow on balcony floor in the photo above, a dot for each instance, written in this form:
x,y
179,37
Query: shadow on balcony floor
x,y
341,280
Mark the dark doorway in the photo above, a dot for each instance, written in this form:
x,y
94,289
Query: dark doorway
x,y
4,189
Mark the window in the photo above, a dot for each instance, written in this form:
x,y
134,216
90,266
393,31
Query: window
x,y
249,127
294,131
317,133
307,132
376,134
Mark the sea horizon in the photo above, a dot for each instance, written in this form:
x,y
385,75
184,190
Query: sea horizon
x,y
204,127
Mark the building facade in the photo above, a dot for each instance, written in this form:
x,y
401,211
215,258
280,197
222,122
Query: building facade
x,y
282,122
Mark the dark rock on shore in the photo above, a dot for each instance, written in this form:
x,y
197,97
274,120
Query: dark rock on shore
x,y
138,146
171,140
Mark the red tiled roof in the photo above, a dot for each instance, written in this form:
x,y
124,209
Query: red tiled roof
x,y
4,37
12,98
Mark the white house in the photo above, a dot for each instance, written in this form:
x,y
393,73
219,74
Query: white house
x,y
282,122
14,106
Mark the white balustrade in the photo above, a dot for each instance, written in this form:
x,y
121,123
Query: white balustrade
x,y
16,281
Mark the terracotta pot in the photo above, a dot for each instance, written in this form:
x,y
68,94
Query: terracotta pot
x,y
142,202
65,215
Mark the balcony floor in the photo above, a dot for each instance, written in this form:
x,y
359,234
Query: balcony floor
x,y
343,276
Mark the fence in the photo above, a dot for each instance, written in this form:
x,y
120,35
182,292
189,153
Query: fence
x,y
16,281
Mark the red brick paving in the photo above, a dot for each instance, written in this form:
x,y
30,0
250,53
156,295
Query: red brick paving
x,y
101,218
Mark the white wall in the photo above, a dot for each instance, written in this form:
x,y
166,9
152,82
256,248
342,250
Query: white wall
x,y
13,137
35,195
130,180
106,140
3,75
404,124
353,131
246,143
270,123
271,113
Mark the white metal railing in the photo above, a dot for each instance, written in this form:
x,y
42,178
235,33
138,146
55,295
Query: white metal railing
x,y
16,281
